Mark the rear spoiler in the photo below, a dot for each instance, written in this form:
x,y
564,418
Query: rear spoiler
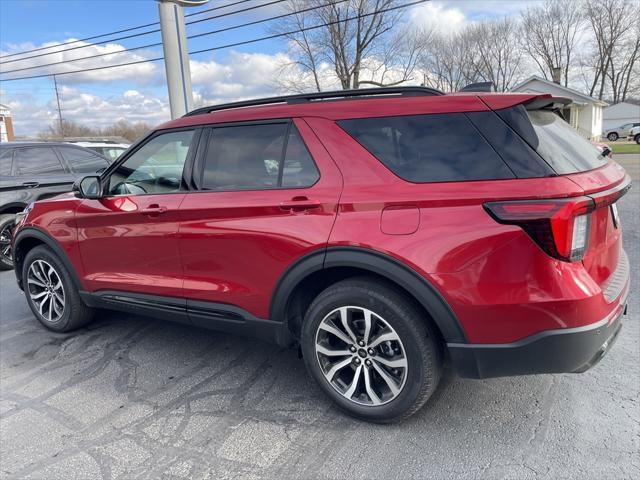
x,y
547,103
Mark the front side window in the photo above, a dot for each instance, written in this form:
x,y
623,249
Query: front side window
x,y
429,148
6,161
109,152
38,161
82,161
154,168
257,157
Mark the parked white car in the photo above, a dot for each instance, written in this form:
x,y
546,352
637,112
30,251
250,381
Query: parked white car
x,y
634,134
111,151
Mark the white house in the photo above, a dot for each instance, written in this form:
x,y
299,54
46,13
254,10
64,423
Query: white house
x,y
584,113
6,127
620,114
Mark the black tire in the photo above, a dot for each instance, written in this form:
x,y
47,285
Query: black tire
x,y
75,312
7,221
637,138
613,136
418,340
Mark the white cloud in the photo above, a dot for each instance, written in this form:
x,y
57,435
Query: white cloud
x,y
140,73
242,75
435,16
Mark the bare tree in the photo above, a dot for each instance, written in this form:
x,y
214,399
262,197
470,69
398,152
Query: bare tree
x,y
122,128
448,62
494,52
550,34
615,53
358,44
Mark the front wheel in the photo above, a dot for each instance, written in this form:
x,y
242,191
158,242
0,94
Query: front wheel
x,y
371,350
51,293
7,222
637,138
613,136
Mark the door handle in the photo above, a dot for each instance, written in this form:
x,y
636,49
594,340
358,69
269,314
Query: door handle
x,y
299,204
30,184
153,210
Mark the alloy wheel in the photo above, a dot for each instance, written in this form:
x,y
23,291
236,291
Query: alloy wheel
x,y
46,290
5,242
361,356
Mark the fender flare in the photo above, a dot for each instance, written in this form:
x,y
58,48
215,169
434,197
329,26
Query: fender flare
x,y
33,232
376,262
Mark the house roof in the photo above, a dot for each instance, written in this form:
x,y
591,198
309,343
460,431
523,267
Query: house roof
x,y
570,92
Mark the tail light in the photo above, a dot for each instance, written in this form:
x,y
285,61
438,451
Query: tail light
x,y
559,226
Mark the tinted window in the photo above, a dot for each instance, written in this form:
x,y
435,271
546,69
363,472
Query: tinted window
x,y
37,161
244,157
82,161
6,160
563,148
156,167
299,169
517,154
429,148
250,157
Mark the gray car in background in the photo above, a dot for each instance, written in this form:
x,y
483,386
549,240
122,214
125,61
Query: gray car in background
x,y
31,171
613,134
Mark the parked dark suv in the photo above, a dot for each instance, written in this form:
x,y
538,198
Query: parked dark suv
x,y
384,232
34,171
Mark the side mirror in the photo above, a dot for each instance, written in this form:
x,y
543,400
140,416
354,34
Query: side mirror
x,y
88,187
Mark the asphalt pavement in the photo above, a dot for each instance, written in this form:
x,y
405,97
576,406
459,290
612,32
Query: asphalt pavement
x,y
131,397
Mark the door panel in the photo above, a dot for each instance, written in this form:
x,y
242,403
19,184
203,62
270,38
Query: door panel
x,y
128,244
128,239
235,245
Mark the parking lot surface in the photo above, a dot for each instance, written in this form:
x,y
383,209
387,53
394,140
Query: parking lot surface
x,y
132,397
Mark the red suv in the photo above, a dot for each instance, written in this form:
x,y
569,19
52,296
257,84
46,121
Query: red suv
x,y
385,232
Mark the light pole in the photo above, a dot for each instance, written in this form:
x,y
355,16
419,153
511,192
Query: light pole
x,y
176,54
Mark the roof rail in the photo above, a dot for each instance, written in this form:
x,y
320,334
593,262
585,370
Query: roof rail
x,y
319,96
479,87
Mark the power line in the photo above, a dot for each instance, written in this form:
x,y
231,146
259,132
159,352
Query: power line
x,y
124,30
151,45
134,35
222,47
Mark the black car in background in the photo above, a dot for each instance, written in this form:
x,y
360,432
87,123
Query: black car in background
x,y
31,171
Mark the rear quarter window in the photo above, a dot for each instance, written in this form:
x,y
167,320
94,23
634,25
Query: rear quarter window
x,y
429,148
564,149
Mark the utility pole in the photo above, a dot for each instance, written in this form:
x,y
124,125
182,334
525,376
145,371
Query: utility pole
x,y
176,54
55,84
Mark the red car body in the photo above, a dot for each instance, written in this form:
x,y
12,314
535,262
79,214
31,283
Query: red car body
x,y
486,283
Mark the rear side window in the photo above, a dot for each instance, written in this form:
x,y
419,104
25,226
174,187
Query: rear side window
x,y
257,157
429,148
37,161
82,161
559,144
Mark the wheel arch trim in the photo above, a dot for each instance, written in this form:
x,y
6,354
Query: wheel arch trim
x,y
36,233
375,262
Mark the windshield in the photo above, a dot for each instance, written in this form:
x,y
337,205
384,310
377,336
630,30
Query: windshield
x,y
561,146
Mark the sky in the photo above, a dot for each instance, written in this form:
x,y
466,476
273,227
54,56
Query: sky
x,y
138,93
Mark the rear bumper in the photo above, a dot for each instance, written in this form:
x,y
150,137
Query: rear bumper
x,y
567,350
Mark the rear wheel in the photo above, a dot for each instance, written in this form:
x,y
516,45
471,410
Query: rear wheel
x,y
370,350
613,136
51,293
637,138
7,222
